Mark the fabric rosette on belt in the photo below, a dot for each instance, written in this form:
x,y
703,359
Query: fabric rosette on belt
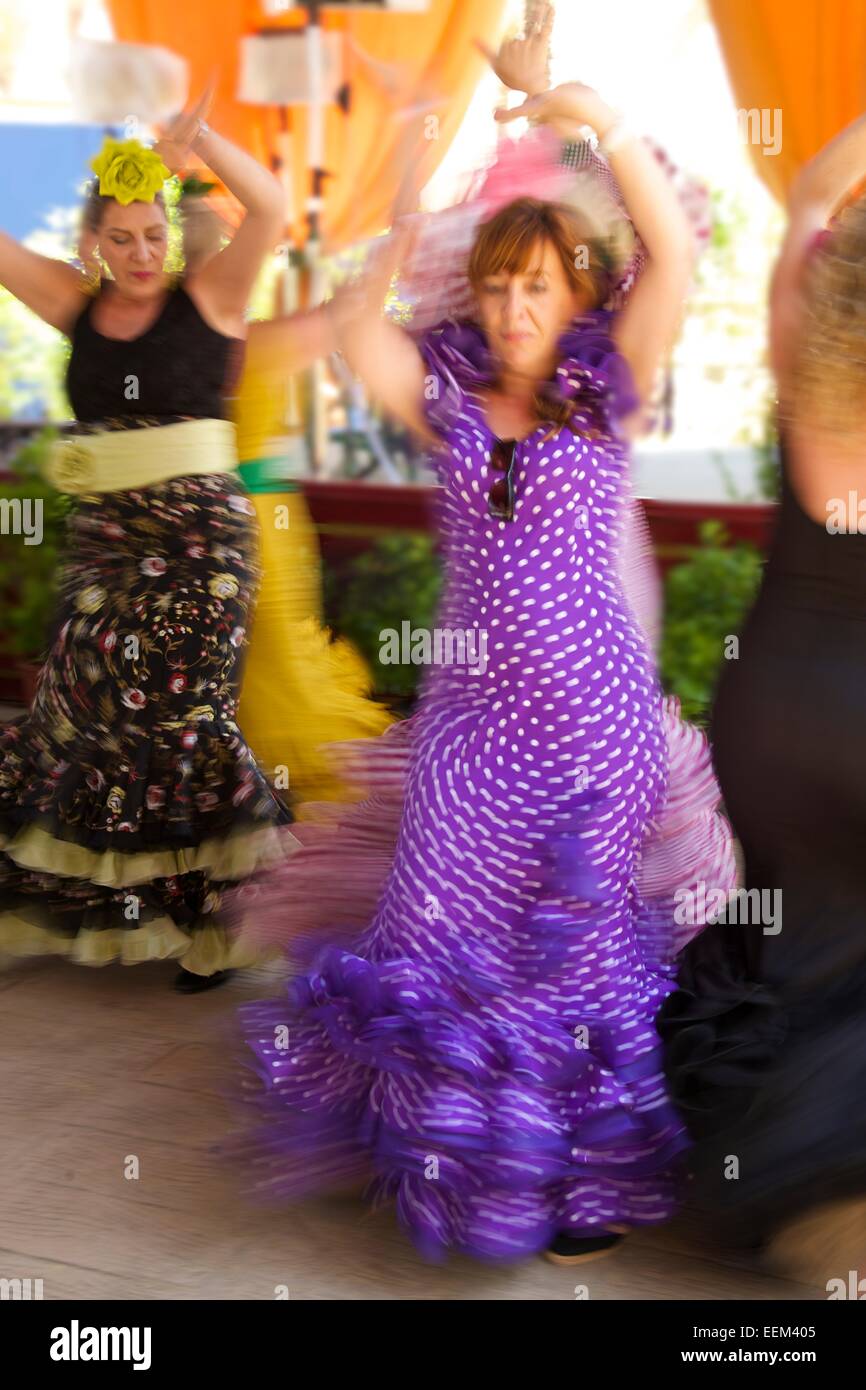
x,y
117,460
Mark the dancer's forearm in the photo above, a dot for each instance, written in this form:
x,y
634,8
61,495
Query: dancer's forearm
x,y
649,196
252,184
356,311
227,279
380,353
49,287
828,177
295,340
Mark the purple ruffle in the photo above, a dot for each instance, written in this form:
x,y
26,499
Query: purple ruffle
x,y
591,370
480,1126
373,1069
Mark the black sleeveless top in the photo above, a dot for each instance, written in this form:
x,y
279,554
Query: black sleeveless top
x,y
178,369
809,567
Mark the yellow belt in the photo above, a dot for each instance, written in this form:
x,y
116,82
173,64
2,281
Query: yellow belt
x,y
117,460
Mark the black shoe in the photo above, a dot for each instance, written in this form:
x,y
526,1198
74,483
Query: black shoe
x,y
568,1250
188,983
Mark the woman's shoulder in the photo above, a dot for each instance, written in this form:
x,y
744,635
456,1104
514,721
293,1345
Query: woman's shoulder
x,y
189,289
77,310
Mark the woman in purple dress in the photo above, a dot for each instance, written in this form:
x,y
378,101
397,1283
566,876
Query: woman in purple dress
x,y
485,1047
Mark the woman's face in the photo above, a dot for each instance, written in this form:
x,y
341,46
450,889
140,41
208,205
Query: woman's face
x,y
524,315
133,241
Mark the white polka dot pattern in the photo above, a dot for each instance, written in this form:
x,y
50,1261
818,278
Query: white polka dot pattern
x,y
486,1047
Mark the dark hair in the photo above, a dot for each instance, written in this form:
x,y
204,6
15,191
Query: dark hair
x,y
95,203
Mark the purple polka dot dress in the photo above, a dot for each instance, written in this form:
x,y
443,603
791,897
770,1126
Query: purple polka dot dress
x,y
488,936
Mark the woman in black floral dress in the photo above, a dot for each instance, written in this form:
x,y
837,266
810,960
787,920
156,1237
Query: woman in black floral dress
x,y
128,797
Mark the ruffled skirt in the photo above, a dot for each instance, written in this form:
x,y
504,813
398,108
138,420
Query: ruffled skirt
x,y
301,689
129,799
765,1038
500,1079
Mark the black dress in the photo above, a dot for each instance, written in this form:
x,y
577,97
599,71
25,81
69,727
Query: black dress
x,y
766,1036
129,800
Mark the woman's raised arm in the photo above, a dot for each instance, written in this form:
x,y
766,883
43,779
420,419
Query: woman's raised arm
x,y
51,288
226,281
381,354
645,329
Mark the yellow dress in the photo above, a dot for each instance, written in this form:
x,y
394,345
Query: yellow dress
x,y
300,689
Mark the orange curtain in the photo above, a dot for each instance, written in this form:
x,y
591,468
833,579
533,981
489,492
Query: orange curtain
x,y
435,49
804,58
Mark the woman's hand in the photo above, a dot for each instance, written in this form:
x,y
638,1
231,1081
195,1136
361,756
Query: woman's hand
x,y
566,108
521,64
176,145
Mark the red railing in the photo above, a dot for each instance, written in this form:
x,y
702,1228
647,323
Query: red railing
x,y
350,517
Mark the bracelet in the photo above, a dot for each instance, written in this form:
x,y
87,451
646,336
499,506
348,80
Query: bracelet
x,y
616,135
202,129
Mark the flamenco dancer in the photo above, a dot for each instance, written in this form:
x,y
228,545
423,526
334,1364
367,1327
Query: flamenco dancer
x,y
301,691
765,1037
128,797
483,1046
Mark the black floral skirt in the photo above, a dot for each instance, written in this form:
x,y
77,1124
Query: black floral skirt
x,y
129,800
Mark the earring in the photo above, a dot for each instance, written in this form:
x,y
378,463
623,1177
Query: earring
x,y
92,275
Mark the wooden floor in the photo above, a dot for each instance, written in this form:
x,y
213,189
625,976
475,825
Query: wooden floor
x,y
103,1065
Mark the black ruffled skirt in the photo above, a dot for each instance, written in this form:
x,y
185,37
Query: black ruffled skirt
x,y
129,800
766,1035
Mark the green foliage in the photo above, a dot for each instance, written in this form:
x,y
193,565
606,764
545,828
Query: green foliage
x,y
27,572
706,600
397,580
721,350
32,362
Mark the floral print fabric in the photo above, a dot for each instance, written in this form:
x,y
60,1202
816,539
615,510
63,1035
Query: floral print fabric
x,y
128,796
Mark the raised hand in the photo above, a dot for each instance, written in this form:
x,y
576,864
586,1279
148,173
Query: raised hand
x,y
175,145
566,108
521,63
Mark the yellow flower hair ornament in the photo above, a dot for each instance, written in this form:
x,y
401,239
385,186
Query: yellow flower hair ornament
x,y
128,171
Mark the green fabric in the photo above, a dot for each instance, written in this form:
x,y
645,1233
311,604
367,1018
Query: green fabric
x,y
265,475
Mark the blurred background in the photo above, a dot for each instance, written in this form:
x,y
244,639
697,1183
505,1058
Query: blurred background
x,y
313,91
737,94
